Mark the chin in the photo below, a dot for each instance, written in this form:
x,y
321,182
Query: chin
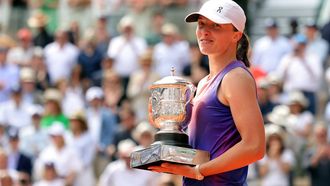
x,y
205,51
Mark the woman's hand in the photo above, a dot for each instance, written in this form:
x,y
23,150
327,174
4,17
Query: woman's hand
x,y
183,170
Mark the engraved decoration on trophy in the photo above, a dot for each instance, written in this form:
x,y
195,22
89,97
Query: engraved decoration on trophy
x,y
169,109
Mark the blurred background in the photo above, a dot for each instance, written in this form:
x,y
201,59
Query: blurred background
x,y
74,78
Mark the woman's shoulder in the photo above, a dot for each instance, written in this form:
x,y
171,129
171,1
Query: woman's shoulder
x,y
239,75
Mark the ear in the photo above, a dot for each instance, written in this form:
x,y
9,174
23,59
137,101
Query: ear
x,y
237,36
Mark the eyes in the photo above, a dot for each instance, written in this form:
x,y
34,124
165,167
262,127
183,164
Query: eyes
x,y
213,26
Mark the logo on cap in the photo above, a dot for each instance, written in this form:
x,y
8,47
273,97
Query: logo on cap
x,y
219,9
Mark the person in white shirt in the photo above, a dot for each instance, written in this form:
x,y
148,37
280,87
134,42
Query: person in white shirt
x,y
67,162
301,71
119,172
83,142
21,55
33,138
316,44
9,74
275,167
60,57
126,49
138,86
14,113
170,52
50,177
269,49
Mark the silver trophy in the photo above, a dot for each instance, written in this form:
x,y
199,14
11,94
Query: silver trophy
x,y
169,109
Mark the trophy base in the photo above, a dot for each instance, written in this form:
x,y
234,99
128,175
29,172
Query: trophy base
x,y
157,154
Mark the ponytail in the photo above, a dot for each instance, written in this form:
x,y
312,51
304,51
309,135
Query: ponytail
x,y
242,50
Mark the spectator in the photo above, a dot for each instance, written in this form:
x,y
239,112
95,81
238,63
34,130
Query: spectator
x,y
16,159
106,66
119,172
72,91
113,90
60,57
4,170
50,176
138,86
170,44
318,158
21,55
102,124
9,74
301,121
65,158
301,71
144,134
30,94
126,49
53,109
269,50
14,113
264,101
103,35
39,21
126,127
316,44
84,144
37,63
89,57
275,167
33,138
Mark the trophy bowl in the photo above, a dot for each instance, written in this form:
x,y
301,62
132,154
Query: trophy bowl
x,y
169,110
170,104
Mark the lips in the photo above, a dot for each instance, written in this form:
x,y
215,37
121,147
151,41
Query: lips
x,y
205,41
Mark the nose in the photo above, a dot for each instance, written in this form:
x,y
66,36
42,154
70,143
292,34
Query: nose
x,y
203,31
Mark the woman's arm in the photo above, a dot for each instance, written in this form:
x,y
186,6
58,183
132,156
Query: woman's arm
x,y
238,91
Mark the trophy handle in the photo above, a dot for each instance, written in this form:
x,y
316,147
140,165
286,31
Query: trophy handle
x,y
150,115
192,89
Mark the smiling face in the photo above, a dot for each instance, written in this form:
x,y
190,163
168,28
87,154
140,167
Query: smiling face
x,y
215,38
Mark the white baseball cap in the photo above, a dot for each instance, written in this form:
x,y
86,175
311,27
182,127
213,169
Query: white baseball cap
x,y
57,129
94,93
221,12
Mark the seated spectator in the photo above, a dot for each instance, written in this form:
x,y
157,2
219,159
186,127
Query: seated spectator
x,y
67,162
50,176
83,142
138,85
277,164
34,138
102,123
53,109
22,54
119,172
16,159
318,158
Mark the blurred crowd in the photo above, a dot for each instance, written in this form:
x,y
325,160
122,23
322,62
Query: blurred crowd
x,y
74,79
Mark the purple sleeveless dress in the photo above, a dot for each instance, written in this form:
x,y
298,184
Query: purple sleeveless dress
x,y
212,128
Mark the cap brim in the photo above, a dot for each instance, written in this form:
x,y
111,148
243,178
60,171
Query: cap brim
x,y
192,17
